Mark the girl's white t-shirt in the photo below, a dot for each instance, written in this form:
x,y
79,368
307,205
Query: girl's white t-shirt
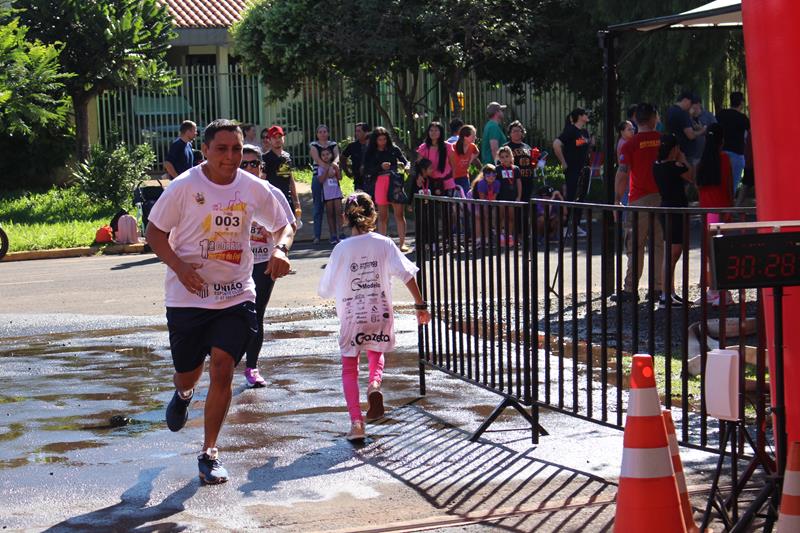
x,y
358,275
261,241
209,228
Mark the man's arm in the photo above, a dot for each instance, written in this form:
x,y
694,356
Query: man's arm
x,y
693,134
279,265
494,146
170,169
159,243
558,150
295,198
345,160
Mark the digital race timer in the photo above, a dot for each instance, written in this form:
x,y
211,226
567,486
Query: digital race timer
x,y
754,260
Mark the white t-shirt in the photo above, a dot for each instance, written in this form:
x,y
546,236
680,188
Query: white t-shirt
x,y
209,227
261,241
358,275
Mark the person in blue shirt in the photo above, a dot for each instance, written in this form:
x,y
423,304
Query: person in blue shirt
x,y
180,157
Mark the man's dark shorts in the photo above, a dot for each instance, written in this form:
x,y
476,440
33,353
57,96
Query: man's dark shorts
x,y
194,331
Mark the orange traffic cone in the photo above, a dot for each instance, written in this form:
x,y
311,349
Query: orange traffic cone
x,y
789,517
647,499
680,479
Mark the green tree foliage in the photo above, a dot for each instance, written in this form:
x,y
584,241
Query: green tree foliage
x,y
394,42
109,175
107,44
31,87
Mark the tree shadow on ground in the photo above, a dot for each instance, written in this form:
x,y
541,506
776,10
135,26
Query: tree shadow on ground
x,y
132,512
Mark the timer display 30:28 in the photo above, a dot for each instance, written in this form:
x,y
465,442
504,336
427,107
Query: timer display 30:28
x,y
756,260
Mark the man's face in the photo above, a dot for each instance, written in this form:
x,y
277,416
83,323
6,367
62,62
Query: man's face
x,y
191,133
499,116
250,132
224,153
277,142
685,104
582,121
360,134
695,110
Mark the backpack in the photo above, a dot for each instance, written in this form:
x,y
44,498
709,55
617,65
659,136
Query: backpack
x,y
104,234
127,230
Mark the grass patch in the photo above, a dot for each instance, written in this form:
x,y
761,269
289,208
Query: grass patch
x,y
304,176
29,237
58,218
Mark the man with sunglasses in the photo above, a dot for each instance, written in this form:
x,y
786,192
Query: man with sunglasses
x,y
262,246
278,166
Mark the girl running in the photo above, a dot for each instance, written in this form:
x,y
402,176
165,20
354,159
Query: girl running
x,y
358,275
329,176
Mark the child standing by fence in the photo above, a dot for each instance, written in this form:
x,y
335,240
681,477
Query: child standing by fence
x,y
510,190
329,176
358,275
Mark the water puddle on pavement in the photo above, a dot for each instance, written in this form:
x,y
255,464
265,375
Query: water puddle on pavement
x,y
66,395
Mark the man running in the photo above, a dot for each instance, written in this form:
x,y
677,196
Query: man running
x,y
200,227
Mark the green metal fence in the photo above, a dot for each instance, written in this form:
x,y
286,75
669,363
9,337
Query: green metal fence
x,y
137,116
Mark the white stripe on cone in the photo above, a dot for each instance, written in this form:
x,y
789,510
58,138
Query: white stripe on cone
x,y
791,484
643,402
788,523
646,463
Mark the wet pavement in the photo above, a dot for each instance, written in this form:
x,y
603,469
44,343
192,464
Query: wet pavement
x,y
84,445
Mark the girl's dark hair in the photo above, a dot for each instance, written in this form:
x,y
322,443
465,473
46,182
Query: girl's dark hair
x,y
486,168
442,146
359,210
668,142
421,166
621,127
372,145
326,149
465,130
709,171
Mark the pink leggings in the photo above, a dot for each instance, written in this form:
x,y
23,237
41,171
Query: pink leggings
x,y
350,380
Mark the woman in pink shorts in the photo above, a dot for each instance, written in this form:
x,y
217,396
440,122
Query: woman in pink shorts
x,y
381,159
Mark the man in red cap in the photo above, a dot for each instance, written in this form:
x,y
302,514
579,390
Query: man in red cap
x,y
278,166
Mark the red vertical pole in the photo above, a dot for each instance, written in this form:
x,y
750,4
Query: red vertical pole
x,y
772,38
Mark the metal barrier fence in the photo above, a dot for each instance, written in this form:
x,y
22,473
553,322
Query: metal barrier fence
x,y
529,300
136,115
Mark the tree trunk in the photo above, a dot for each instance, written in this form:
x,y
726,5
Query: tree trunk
x,y
80,103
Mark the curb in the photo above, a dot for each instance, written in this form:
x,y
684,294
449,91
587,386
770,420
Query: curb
x,y
58,253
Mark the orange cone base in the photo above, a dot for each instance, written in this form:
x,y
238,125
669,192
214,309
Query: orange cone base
x,y
648,506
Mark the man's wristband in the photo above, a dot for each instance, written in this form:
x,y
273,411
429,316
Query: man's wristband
x,y
283,248
421,307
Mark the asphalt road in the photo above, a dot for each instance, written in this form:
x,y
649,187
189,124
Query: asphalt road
x,y
133,285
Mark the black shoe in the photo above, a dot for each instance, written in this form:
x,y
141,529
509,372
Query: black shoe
x,y
177,412
654,295
624,296
211,470
676,301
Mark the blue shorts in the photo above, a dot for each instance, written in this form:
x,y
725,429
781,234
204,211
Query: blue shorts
x,y
194,331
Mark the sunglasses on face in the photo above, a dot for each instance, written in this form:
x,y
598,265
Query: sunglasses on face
x,y
252,164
